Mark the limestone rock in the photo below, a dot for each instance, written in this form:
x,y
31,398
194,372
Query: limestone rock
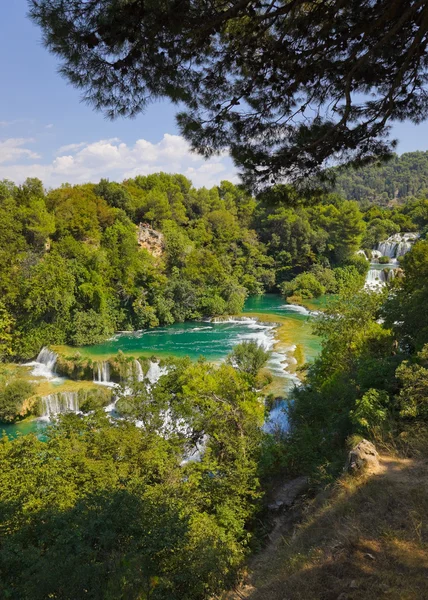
x,y
151,239
363,456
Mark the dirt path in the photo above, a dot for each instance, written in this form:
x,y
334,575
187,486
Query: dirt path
x,y
341,539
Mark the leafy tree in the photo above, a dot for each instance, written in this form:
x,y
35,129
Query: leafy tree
x,y
406,308
248,357
306,285
12,398
90,327
370,411
239,71
6,332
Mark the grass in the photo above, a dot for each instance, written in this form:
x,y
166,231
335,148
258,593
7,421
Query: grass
x,y
363,539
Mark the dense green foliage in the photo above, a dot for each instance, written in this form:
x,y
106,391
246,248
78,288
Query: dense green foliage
x,y
371,376
110,510
284,86
72,270
399,179
13,395
122,509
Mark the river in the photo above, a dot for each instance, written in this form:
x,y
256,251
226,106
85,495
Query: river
x,y
283,329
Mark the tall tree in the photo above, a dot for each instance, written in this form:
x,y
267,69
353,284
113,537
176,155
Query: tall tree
x,y
284,84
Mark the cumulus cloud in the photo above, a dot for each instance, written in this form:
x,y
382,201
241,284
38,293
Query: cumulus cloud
x,y
89,162
13,149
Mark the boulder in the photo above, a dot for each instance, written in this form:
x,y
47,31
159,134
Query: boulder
x,y
363,456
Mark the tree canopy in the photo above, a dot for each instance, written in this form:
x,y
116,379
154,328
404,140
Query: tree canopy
x,y
284,85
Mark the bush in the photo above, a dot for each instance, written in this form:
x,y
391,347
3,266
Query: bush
x,y
90,327
248,357
210,307
305,285
384,260
12,400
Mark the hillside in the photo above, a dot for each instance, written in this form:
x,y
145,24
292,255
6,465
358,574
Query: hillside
x,y
365,538
402,177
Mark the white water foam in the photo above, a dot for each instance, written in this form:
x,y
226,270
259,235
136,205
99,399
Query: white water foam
x,y
44,365
59,403
298,309
155,372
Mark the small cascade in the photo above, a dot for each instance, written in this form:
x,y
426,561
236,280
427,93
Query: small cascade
x,y
155,372
277,419
231,320
102,372
44,365
139,370
375,256
397,245
59,403
375,278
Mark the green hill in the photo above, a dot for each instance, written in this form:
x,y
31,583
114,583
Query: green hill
x,y
402,177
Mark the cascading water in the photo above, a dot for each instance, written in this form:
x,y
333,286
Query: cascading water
x,y
375,278
139,370
102,372
59,403
155,372
395,246
44,365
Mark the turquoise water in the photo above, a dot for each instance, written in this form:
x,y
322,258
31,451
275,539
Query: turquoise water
x,y
214,340
31,426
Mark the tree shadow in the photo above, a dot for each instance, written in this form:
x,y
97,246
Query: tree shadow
x,y
108,546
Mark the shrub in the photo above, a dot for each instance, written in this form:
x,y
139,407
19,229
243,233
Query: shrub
x,y
12,400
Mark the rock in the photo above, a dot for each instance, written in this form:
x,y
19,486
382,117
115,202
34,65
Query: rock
x,y
363,456
151,239
287,493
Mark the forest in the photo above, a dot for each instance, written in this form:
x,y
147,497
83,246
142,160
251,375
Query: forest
x,y
81,262
397,180
73,271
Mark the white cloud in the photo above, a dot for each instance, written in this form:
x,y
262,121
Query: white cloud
x,y
70,148
16,122
50,126
84,162
12,149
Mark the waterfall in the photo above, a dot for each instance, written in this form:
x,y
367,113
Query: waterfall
x,y
377,278
397,245
44,365
388,248
155,372
139,370
61,402
102,374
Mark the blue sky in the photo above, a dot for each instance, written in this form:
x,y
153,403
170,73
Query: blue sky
x,y
47,132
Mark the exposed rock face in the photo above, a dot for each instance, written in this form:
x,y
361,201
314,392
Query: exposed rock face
x,y
363,456
151,239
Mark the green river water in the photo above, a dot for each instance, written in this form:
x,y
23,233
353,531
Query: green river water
x,y
284,329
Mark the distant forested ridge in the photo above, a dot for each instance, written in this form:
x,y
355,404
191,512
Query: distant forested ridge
x,y
400,178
